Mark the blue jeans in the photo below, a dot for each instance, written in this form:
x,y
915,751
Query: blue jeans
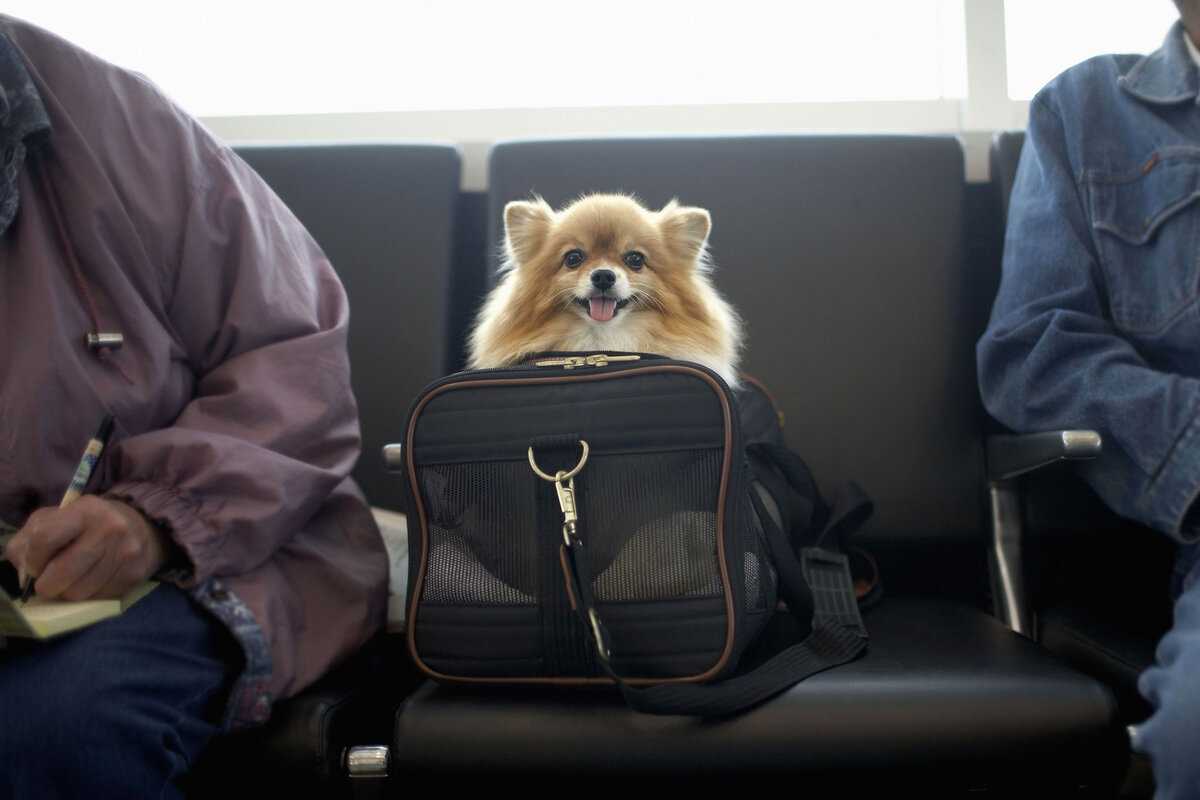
x,y
1171,736
120,709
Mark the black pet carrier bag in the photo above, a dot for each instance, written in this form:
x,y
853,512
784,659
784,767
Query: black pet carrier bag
x,y
602,519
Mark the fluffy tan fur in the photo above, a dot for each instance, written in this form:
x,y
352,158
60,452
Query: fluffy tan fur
x,y
656,262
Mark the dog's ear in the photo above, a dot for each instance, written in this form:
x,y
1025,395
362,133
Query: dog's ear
x,y
686,227
525,226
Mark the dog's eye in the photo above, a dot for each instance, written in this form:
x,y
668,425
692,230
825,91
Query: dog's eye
x,y
573,259
634,259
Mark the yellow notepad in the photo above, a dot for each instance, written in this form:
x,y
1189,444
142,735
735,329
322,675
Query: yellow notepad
x,y
41,618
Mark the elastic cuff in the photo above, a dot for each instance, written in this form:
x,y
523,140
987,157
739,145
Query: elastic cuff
x,y
177,516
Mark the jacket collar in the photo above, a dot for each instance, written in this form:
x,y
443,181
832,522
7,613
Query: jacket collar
x,y
21,111
1168,75
22,116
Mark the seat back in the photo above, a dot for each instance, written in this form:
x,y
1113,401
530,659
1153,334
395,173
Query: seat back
x,y
844,256
1004,153
384,214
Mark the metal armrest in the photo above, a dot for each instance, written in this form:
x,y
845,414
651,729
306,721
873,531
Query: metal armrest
x,y
393,457
367,767
1009,456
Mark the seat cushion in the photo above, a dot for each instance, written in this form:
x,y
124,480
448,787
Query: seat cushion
x,y
1105,645
945,695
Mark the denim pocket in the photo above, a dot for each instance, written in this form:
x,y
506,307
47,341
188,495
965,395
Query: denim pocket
x,y
1145,222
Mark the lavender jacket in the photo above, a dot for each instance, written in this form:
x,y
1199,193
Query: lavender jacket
x,y
236,425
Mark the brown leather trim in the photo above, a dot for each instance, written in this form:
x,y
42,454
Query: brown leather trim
x,y
762,387
555,377
410,626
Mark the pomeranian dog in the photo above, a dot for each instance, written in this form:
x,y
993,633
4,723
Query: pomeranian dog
x,y
606,274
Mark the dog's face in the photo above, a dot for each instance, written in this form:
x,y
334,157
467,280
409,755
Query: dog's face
x,y
604,259
605,274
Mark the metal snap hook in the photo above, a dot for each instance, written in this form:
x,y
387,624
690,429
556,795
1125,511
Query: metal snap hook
x,y
561,476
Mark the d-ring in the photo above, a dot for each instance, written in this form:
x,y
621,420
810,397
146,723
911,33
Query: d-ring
x,y
562,476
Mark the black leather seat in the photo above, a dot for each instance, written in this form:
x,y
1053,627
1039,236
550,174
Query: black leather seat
x,y
845,255
944,701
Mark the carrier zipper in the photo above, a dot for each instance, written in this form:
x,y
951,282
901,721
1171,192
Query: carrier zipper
x,y
392,458
597,360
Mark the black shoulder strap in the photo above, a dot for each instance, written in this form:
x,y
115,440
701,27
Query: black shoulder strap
x,y
815,585
829,644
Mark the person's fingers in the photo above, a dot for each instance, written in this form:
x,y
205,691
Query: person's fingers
x,y
101,548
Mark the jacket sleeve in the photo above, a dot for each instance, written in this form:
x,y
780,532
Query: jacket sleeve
x,y
272,425
1052,357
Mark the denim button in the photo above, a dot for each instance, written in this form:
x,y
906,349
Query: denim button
x,y
220,595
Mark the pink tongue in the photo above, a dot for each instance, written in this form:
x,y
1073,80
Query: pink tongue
x,y
602,308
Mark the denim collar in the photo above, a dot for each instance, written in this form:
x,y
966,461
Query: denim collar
x,y
1168,75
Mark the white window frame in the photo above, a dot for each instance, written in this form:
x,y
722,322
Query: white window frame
x,y
985,109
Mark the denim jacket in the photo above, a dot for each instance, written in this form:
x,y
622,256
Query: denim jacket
x,y
1097,320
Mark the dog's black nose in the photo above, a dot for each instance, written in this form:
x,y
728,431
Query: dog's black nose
x,y
603,279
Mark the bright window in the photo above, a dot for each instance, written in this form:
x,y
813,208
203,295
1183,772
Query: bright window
x,y
260,57
1044,37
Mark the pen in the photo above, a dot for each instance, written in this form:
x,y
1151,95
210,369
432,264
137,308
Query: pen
x,y
79,481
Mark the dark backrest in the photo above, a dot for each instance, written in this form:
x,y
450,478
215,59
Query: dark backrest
x,y
384,214
844,255
1004,152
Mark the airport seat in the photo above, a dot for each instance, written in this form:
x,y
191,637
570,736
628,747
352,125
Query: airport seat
x,y
845,255
384,214
1106,618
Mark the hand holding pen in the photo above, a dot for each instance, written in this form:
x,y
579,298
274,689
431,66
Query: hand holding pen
x,y
79,482
89,547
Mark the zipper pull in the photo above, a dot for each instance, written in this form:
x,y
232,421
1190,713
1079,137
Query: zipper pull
x,y
597,360
602,360
566,362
